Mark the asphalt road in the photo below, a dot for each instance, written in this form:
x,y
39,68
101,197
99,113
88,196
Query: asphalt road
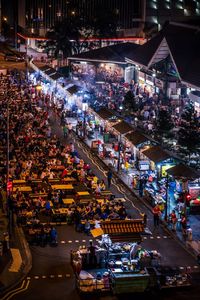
x,y
51,277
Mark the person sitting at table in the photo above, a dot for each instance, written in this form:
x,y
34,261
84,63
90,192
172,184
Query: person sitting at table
x,y
87,227
48,207
53,234
113,215
102,185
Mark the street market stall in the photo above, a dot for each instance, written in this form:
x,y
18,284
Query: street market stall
x,y
121,267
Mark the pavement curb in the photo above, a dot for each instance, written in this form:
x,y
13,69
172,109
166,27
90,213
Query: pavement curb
x,y
26,261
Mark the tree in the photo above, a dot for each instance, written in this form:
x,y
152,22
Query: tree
x,y
71,34
164,121
188,134
130,105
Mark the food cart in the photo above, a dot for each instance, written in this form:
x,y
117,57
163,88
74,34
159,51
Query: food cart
x,y
120,266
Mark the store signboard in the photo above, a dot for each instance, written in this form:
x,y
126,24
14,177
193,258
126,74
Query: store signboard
x,y
164,168
159,83
144,165
194,191
149,80
141,76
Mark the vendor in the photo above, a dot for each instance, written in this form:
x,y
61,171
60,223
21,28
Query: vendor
x,y
92,255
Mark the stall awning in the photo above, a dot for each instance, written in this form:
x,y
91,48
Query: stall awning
x,y
136,138
156,154
123,127
55,76
183,171
123,229
74,89
105,114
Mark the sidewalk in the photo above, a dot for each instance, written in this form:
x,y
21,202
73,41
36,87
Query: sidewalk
x,y
17,261
193,242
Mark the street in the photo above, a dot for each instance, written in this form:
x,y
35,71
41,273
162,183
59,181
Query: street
x,y
52,277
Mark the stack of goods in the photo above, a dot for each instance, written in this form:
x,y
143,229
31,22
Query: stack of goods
x,y
122,226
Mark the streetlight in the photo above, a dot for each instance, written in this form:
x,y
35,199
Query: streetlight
x,y
119,153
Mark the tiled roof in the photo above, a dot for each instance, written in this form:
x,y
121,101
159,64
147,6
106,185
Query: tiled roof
x,y
136,138
183,171
156,154
123,127
104,113
116,53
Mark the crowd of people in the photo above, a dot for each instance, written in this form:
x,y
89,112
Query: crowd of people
x,y
38,161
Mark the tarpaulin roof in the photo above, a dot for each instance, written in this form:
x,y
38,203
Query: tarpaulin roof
x,y
156,154
183,171
123,127
136,138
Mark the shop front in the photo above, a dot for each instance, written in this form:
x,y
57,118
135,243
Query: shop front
x,y
184,189
154,162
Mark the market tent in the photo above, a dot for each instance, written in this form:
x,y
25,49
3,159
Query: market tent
x,y
74,89
105,114
123,127
44,68
56,76
183,171
156,154
136,138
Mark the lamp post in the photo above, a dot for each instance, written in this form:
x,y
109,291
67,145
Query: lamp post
x,y
119,153
166,203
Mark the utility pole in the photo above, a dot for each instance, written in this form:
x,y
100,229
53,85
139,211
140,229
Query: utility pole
x,y
119,153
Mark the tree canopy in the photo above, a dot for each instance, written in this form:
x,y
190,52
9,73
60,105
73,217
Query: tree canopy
x,y
188,135
71,34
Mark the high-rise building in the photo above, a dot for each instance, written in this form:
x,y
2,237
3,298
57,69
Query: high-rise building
x,y
133,16
38,16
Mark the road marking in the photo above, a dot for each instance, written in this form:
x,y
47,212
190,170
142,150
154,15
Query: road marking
x,y
151,237
52,276
19,291
63,242
145,238
36,277
28,278
83,241
181,268
13,291
165,237
158,237
196,267
76,241
69,241
59,276
44,276
67,275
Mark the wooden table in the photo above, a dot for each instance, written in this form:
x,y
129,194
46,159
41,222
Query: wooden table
x,y
83,193
68,179
60,211
68,201
54,180
106,193
22,188
62,187
37,195
19,181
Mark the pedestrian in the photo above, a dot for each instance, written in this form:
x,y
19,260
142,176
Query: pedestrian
x,y
173,219
183,224
156,215
109,178
92,255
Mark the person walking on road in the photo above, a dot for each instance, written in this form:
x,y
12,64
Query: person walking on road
x,y
109,178
156,215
